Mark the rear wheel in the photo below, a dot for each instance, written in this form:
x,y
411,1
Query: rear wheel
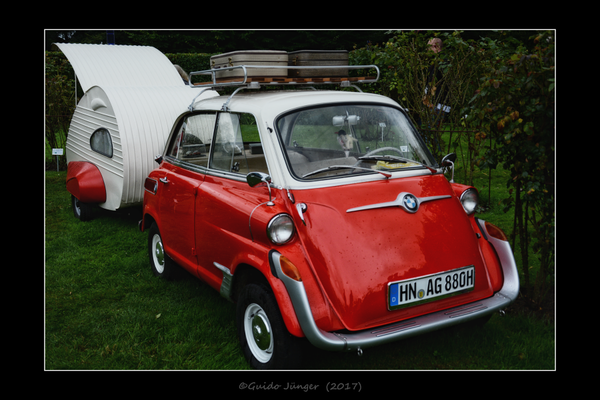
x,y
161,264
265,341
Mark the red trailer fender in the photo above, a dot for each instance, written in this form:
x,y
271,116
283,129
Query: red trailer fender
x,y
84,181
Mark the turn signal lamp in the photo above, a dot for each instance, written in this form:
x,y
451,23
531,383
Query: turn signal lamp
x,y
495,232
151,185
289,269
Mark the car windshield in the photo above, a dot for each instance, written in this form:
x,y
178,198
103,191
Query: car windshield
x,y
338,140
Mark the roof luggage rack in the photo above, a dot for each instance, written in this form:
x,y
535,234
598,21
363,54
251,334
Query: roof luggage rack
x,y
255,82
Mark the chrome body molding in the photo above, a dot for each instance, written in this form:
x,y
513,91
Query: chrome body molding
x,y
226,286
356,341
405,200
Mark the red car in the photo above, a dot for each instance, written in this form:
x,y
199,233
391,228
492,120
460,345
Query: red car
x,y
323,216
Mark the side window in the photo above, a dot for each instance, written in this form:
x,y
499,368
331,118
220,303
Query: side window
x,y
101,142
237,145
193,140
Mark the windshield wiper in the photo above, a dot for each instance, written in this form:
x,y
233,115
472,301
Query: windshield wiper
x,y
384,158
396,159
318,171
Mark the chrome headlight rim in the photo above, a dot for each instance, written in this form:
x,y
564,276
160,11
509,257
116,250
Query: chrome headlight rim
x,y
281,229
470,200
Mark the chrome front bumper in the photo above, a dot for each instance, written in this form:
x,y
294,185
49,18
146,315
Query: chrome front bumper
x,y
356,341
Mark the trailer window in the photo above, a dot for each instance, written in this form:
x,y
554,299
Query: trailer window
x,y
101,142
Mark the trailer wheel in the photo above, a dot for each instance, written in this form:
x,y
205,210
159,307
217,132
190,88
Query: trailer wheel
x,y
82,211
161,264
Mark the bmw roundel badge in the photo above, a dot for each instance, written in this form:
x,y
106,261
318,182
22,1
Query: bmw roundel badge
x,y
410,202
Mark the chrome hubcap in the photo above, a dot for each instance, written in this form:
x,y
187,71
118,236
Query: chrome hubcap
x,y
258,333
159,254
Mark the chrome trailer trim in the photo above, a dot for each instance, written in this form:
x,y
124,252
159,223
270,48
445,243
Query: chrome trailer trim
x,y
356,341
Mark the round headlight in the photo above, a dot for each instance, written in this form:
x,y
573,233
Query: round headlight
x,y
469,200
280,229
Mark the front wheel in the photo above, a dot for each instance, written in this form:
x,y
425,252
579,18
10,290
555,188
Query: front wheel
x,y
265,341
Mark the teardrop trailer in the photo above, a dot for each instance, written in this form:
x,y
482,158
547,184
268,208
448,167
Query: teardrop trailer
x,y
338,227
132,94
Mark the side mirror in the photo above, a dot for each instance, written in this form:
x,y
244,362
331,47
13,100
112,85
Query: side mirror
x,y
255,178
158,159
448,161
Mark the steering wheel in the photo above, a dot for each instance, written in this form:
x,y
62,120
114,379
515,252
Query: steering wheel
x,y
379,150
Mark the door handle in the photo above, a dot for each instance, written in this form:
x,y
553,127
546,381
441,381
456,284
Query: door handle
x,y
301,208
164,180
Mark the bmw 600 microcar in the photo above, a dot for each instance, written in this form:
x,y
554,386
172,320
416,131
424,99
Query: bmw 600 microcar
x,y
324,217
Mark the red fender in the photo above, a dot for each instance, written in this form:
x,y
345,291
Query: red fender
x,y
84,181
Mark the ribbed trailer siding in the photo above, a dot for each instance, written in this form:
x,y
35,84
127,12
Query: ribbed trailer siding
x,y
121,66
147,115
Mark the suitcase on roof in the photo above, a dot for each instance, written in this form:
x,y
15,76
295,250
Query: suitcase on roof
x,y
304,58
250,57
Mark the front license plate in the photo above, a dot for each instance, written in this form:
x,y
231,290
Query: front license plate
x,y
416,291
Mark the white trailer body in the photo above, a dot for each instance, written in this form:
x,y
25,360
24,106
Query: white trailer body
x,y
132,96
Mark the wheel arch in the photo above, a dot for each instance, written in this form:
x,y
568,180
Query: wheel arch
x,y
146,222
245,274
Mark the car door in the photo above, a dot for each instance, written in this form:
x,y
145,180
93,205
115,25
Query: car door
x,y
182,173
225,200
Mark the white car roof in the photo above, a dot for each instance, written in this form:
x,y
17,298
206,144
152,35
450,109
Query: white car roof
x,y
270,104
